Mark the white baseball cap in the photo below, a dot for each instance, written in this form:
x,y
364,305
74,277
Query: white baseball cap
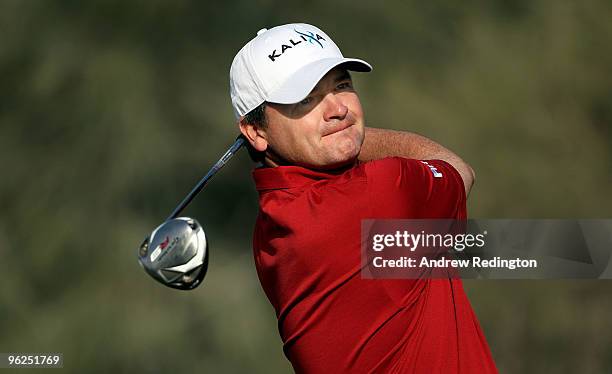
x,y
282,65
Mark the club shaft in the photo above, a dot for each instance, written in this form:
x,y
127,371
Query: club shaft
x,y
215,168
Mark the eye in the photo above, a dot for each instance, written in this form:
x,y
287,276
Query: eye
x,y
306,101
344,85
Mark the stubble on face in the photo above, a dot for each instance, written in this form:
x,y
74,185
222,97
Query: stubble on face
x,y
324,131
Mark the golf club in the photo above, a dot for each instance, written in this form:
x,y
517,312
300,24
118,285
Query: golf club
x,y
176,252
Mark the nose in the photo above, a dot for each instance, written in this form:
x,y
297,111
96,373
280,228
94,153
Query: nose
x,y
335,109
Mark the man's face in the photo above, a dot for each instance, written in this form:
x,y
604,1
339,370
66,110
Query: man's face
x,y
323,131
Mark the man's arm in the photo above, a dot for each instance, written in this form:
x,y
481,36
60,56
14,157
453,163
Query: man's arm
x,y
381,143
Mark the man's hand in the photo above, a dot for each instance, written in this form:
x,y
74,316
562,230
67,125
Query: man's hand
x,y
381,143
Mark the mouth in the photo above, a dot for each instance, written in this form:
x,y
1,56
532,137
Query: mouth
x,y
337,128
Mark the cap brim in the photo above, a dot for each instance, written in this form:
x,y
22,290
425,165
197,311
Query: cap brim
x,y
303,81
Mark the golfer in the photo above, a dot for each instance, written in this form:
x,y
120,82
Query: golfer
x,y
321,172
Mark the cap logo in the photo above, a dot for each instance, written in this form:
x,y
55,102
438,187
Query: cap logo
x,y
310,37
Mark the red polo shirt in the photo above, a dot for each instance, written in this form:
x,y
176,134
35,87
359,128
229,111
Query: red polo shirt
x,y
307,254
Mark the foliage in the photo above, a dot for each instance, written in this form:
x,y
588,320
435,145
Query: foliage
x,y
110,111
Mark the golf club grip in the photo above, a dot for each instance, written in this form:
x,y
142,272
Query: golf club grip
x,y
213,170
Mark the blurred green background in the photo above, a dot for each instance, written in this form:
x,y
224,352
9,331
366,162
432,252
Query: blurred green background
x,y
110,111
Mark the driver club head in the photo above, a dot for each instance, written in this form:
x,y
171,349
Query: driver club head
x,y
176,253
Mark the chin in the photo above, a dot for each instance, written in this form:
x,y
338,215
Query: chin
x,y
343,156
340,149
349,146
338,158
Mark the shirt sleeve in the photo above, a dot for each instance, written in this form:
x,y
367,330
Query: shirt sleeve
x,y
408,188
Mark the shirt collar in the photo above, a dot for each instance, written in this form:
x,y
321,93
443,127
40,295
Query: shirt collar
x,y
273,178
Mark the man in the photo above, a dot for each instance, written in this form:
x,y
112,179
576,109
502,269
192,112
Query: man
x,y
323,172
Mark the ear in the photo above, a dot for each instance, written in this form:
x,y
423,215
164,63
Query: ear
x,y
255,135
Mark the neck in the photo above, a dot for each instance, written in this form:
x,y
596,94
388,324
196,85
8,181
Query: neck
x,y
272,160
